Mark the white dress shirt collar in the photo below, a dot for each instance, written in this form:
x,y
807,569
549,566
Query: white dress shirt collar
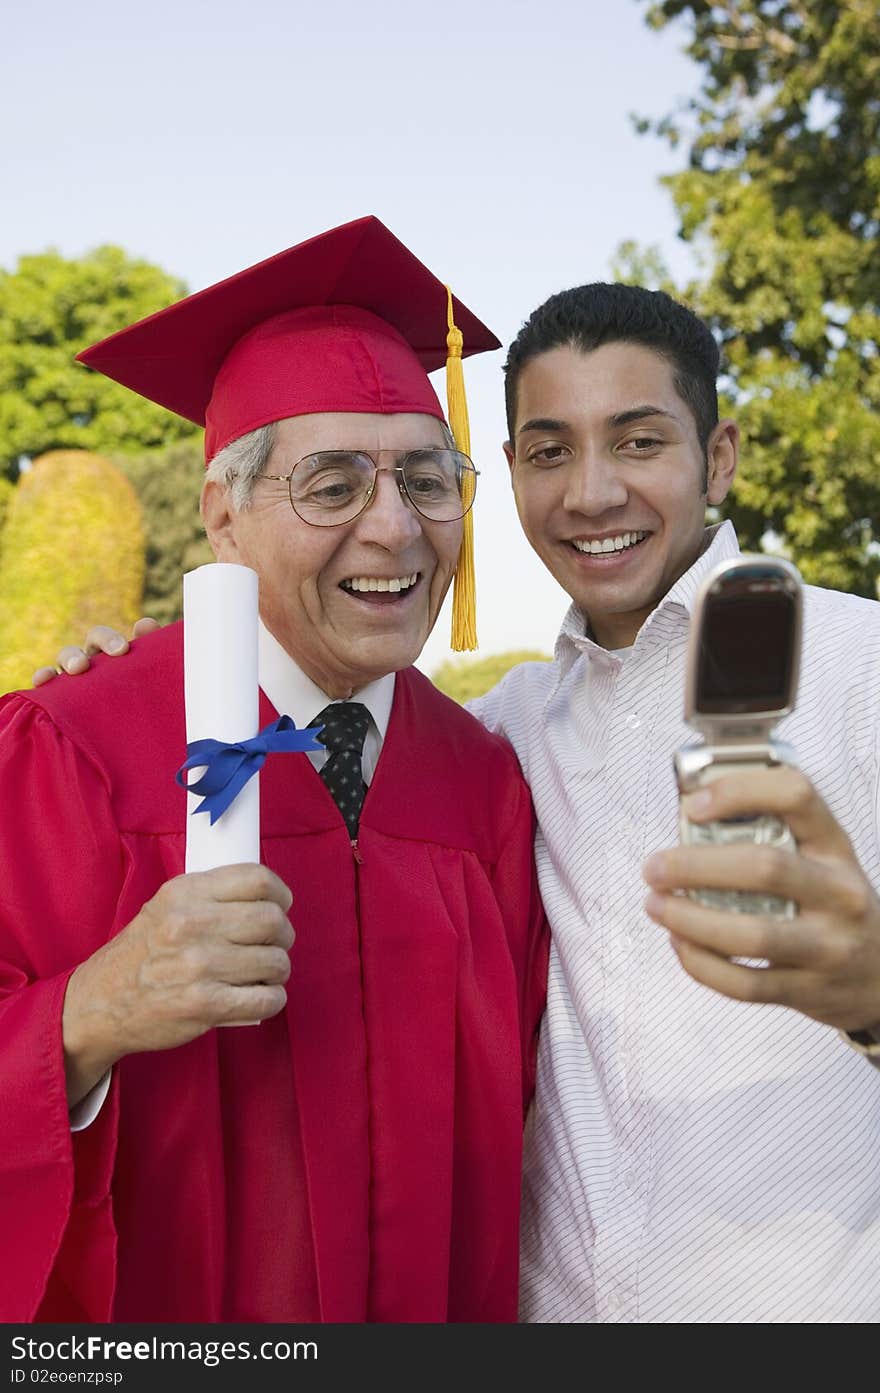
x,y
294,694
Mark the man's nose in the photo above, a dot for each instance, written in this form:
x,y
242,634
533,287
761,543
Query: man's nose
x,y
389,519
594,485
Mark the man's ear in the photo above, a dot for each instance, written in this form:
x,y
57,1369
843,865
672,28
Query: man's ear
x,y
722,457
219,518
510,456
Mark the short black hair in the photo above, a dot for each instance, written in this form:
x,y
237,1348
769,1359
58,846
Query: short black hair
x,y
592,315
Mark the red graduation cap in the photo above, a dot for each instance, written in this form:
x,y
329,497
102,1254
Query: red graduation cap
x,y
347,321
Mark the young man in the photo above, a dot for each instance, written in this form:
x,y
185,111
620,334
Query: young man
x,y
356,1156
692,1154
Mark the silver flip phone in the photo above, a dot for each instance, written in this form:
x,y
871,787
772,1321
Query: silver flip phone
x,y
742,675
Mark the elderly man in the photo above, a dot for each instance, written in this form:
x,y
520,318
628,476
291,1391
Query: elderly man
x,y
356,1155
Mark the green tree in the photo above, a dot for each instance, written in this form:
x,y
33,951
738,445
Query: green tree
x,y
50,308
72,557
781,199
168,483
466,678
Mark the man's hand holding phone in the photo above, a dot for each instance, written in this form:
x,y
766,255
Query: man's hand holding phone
x,y
764,899
826,961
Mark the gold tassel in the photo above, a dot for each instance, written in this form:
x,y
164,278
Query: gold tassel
x,y
464,596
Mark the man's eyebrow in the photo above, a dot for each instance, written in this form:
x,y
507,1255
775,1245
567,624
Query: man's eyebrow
x,y
620,418
638,413
544,423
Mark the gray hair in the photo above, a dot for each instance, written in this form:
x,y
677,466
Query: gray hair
x,y
238,466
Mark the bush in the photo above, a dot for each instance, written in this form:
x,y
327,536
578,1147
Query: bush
x,y
6,491
168,483
73,556
466,678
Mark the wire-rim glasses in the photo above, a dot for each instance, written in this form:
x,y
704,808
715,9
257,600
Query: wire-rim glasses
x,y
332,487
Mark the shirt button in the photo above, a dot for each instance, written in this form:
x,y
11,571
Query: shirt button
x,y
633,721
630,1180
613,1302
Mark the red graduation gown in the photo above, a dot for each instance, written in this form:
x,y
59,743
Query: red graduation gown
x,y
356,1157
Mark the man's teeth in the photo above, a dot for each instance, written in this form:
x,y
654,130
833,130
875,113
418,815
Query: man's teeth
x,y
373,583
626,539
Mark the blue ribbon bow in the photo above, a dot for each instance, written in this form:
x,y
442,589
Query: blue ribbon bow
x,y
229,766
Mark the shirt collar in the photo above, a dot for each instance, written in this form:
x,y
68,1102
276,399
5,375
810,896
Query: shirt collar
x,y
294,694
719,544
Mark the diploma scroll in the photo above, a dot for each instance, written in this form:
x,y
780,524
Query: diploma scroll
x,y
221,687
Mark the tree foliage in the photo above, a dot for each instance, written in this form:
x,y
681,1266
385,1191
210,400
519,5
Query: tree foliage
x,y
466,678
50,308
72,557
781,197
168,483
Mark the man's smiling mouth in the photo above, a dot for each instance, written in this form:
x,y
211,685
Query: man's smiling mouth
x,y
608,546
390,588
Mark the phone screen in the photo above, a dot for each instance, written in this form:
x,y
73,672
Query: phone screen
x,y
746,645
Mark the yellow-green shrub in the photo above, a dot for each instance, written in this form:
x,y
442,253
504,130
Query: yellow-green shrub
x,y
72,556
466,678
6,491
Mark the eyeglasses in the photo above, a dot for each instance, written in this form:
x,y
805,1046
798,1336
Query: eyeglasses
x,y
331,487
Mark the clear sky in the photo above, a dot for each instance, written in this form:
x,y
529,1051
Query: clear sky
x,y
492,136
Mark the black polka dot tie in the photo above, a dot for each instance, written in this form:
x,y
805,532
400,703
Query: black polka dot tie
x,y
345,730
